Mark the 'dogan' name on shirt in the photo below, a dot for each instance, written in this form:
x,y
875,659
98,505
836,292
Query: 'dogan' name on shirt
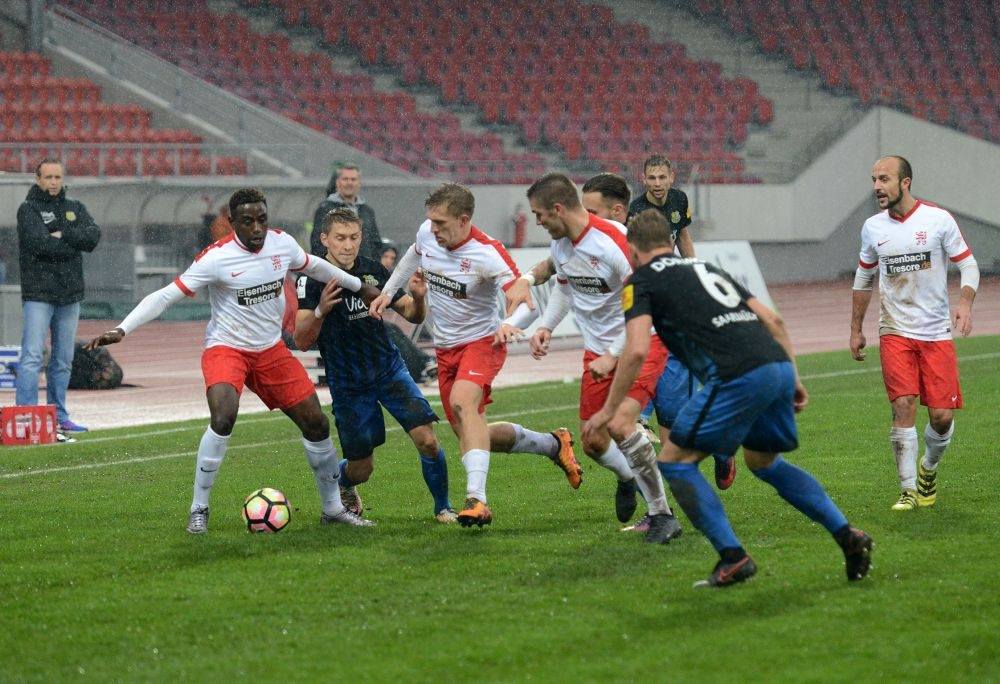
x,y
248,296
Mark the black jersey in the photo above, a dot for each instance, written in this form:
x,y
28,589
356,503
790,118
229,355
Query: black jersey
x,y
701,314
676,209
355,347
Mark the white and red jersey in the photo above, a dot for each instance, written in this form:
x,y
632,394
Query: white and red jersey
x,y
463,285
595,267
912,255
245,289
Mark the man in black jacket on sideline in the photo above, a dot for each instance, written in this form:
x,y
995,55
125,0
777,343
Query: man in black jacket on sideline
x,y
52,233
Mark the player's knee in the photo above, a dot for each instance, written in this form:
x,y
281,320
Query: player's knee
x,y
360,471
426,442
223,425
315,426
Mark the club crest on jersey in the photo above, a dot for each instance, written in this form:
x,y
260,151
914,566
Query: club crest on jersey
x,y
276,262
70,215
369,279
675,216
921,236
594,262
465,266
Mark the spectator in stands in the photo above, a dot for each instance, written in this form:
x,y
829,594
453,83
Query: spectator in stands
x,y
52,233
388,257
343,191
364,369
658,178
910,244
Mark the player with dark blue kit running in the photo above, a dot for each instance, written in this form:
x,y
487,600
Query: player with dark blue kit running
x,y
740,351
364,369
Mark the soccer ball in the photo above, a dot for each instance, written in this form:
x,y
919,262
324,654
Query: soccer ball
x,y
267,510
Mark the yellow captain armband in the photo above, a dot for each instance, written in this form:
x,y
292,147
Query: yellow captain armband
x,y
627,298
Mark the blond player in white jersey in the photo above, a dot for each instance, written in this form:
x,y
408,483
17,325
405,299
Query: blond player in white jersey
x,y
465,271
910,244
244,273
590,255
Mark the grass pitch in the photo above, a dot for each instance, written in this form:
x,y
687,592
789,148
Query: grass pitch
x,y
100,582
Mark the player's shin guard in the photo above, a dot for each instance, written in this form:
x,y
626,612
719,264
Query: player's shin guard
x,y
435,471
803,491
211,451
904,450
700,503
642,458
477,465
935,445
323,461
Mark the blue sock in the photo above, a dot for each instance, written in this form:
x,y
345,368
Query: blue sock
x,y
700,503
436,476
345,481
647,411
803,491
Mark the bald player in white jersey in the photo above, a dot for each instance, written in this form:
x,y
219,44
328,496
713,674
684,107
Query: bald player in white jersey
x,y
465,271
910,244
590,255
244,274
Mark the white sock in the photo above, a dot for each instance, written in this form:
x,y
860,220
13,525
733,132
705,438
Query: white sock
x,y
935,445
530,442
904,449
477,465
326,469
211,451
642,458
614,460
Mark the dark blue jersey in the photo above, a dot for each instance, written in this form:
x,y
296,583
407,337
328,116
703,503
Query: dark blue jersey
x,y
355,347
676,209
701,314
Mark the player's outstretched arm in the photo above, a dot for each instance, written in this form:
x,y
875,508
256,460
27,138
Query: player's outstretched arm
x,y
150,308
520,291
113,336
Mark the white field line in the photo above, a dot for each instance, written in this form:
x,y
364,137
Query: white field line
x,y
872,368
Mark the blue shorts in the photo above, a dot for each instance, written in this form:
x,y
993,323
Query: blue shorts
x,y
754,411
358,414
674,388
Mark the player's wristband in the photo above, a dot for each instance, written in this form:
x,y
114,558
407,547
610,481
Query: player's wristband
x,y
530,277
317,313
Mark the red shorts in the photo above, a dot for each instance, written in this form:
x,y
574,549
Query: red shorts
x,y
925,369
593,393
478,362
274,375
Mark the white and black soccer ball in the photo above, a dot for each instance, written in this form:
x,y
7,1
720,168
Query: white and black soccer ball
x,y
267,510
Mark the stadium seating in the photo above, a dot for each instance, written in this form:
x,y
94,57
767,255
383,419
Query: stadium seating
x,y
557,73
566,74
938,61
44,115
306,88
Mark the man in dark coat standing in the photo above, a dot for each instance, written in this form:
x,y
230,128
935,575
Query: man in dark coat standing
x,y
52,233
